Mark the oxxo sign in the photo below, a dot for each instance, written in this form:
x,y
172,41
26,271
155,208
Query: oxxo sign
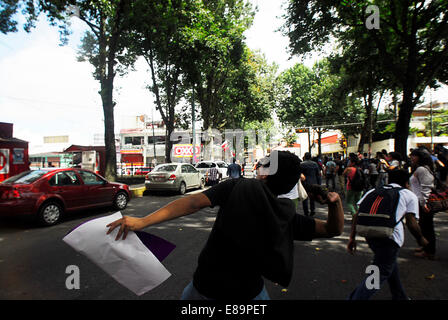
x,y
185,150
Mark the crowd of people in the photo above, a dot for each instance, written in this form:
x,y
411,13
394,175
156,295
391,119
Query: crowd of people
x,y
253,234
355,175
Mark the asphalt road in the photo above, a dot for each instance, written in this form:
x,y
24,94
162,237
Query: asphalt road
x,y
33,261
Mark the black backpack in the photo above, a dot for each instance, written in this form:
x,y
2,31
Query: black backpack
x,y
377,212
358,183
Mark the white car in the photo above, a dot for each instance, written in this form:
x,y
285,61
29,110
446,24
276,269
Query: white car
x,y
203,166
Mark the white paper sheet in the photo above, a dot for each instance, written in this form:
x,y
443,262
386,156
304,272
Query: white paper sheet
x,y
128,261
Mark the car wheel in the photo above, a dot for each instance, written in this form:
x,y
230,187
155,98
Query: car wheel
x,y
121,201
182,188
50,213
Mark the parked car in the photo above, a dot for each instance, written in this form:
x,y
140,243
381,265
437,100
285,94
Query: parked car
x,y
49,193
174,177
203,166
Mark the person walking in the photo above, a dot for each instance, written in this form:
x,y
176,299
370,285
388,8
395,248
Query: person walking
x,y
253,235
340,168
373,173
394,161
212,176
382,174
330,174
386,248
234,170
442,162
355,184
422,182
311,171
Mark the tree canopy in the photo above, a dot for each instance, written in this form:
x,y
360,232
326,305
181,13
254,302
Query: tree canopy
x,y
409,38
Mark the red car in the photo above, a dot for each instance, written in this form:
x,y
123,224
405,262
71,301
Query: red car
x,y
49,193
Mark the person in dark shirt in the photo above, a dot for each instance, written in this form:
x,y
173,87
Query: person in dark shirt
x,y
340,167
234,170
252,237
311,171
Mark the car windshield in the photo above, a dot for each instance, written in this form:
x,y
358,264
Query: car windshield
x,y
205,165
26,177
167,168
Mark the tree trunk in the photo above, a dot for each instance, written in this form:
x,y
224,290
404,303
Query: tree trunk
x,y
106,77
362,138
309,140
168,142
366,133
402,125
106,67
109,130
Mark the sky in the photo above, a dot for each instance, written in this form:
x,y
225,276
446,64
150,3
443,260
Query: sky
x,y
45,91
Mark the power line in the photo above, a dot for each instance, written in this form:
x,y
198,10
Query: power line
x,y
7,46
49,102
342,124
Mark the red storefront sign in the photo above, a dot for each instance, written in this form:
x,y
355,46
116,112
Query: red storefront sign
x,y
13,153
185,150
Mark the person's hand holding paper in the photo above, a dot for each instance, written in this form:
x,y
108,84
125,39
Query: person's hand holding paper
x,y
126,223
135,263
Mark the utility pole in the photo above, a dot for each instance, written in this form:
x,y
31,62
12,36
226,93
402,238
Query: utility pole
x,y
309,139
432,126
193,120
153,137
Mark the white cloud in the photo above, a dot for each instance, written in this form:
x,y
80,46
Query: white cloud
x,y
45,91
264,37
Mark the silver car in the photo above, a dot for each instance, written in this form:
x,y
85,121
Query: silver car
x,y
174,177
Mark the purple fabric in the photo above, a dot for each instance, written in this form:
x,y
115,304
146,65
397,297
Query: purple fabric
x,y
158,246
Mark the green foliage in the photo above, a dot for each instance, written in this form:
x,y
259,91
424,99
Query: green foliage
x,y
310,98
290,138
216,58
410,45
439,121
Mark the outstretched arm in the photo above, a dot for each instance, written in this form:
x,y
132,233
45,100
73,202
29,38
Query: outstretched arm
x,y
175,209
334,225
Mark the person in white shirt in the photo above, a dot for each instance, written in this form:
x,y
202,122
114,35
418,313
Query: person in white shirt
x,y
386,250
422,182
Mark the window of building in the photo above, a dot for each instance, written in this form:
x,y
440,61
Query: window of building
x,y
135,141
